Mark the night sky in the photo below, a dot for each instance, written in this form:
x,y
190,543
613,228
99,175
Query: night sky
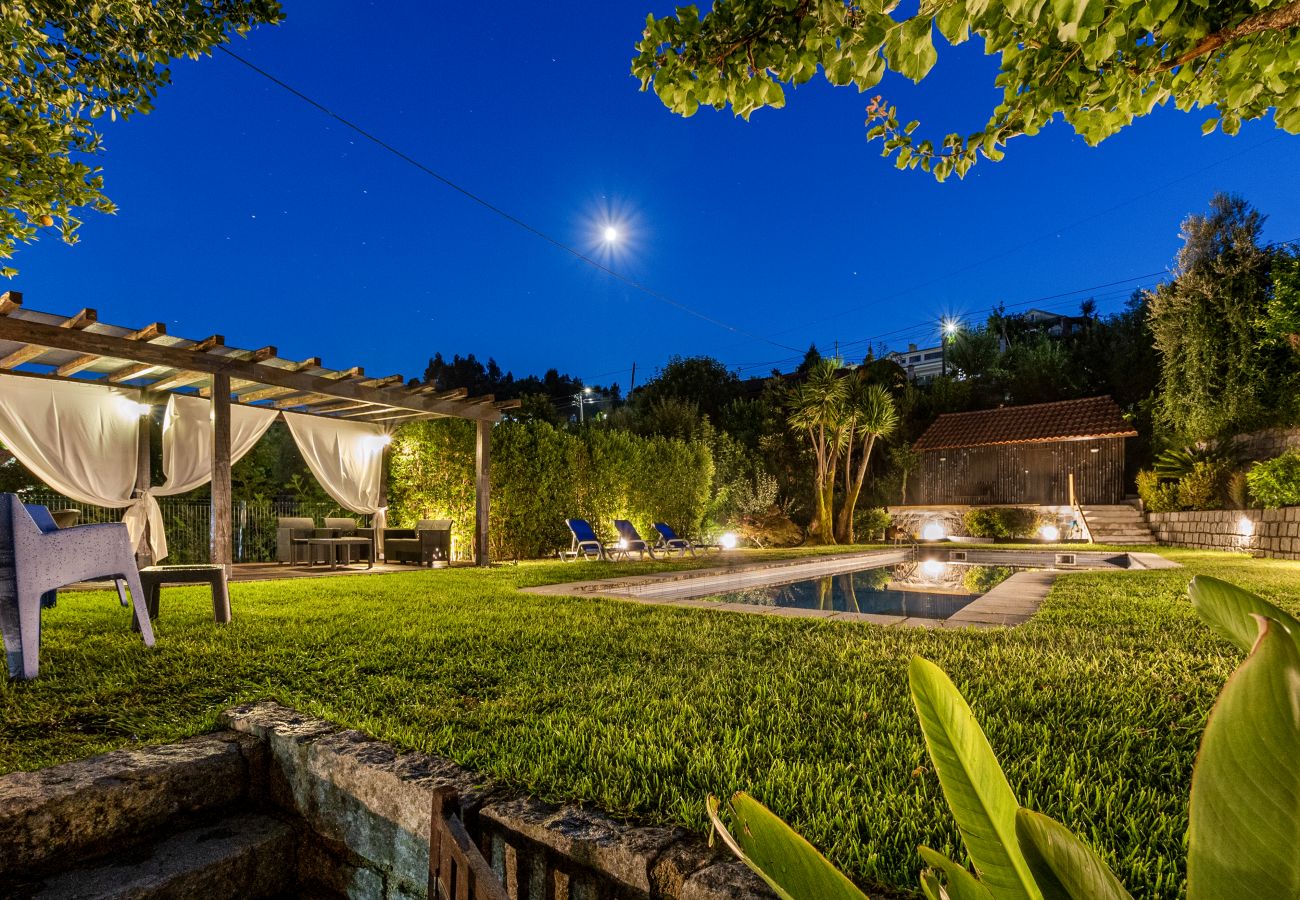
x,y
245,212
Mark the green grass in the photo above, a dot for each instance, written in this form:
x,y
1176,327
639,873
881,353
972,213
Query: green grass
x,y
1095,707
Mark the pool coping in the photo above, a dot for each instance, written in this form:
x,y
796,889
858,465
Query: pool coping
x,y
1011,603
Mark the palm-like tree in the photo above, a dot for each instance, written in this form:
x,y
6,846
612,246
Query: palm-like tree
x,y
817,409
868,413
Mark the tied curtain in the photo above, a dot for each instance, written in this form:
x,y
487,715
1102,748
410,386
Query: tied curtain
x,y
81,440
347,458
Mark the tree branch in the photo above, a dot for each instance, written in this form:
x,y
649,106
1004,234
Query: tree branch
x,y
1279,19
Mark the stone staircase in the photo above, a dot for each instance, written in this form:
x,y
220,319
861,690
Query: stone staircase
x,y
161,822
1120,524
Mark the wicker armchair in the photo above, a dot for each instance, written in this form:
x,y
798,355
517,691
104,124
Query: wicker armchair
x,y
428,542
351,528
291,535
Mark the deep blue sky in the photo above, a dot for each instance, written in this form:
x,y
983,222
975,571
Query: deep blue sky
x,y
245,212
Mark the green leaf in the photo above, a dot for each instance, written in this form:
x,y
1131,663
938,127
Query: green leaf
x,y
789,864
1245,804
1232,610
1065,867
973,783
962,885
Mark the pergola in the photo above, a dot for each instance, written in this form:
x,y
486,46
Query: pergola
x,y
81,348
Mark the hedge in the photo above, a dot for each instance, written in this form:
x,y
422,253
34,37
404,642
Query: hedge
x,y
542,475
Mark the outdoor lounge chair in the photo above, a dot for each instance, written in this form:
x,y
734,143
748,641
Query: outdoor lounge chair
x,y
585,542
629,541
291,536
351,528
38,557
428,542
669,541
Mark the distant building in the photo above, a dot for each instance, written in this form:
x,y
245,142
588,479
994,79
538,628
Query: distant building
x,y
922,364
1054,325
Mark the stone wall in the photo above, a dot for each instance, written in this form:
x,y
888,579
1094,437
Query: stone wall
x,y
1266,444
1271,532
367,809
913,519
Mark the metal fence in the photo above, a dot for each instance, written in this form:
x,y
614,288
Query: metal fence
x,y
187,523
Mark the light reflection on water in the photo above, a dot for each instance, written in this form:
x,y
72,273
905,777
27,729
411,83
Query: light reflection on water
x,y
930,589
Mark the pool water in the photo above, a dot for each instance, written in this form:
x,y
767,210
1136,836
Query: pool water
x,y
928,589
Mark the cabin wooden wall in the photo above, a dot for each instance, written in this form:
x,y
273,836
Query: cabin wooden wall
x,y
1022,473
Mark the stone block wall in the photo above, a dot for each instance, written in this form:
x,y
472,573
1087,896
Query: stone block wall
x,y
1266,444
1272,532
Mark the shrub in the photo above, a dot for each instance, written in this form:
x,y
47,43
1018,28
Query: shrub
x,y
1205,485
1157,496
869,523
1000,522
541,475
1276,482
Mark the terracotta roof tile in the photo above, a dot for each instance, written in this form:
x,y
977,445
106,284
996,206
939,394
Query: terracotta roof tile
x,y
1094,417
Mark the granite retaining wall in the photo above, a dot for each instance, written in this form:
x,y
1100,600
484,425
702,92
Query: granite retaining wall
x,y
1269,532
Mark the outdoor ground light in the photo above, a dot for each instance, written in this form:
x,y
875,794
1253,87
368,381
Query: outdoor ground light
x,y
933,531
1049,533
1245,527
622,544
728,541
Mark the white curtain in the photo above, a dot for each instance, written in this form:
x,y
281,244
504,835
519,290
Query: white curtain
x,y
187,440
347,459
81,440
187,449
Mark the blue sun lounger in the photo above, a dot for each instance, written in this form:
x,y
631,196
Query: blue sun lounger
x,y
669,541
629,541
585,543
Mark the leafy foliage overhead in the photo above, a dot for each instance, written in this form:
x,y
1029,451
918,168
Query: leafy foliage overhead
x,y
1099,64
64,66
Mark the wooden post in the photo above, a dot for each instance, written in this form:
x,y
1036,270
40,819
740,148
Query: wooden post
x,y
222,546
143,481
377,550
482,492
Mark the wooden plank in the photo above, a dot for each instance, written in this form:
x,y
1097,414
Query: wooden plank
x,y
31,351
10,301
221,532
238,384
482,491
143,353
86,360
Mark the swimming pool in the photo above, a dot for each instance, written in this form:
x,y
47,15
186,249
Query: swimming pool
x,y
929,589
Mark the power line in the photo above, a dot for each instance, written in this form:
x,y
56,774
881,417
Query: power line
x,y
487,204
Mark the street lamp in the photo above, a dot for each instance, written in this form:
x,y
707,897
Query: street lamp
x,y
583,397
611,234
948,330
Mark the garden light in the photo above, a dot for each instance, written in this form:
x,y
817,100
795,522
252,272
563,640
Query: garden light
x,y
1245,527
622,544
728,541
1049,533
130,409
933,531
611,234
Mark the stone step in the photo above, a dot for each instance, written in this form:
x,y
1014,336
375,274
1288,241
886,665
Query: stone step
x,y
93,807
243,857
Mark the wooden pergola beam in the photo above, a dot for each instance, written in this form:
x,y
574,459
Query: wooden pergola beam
x,y
181,379
86,360
10,301
26,354
156,355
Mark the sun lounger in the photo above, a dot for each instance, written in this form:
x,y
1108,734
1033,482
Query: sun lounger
x,y
629,541
585,542
670,542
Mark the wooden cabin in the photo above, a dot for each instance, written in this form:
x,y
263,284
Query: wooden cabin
x,y
1024,455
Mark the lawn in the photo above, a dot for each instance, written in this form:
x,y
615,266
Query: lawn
x,y
1095,707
